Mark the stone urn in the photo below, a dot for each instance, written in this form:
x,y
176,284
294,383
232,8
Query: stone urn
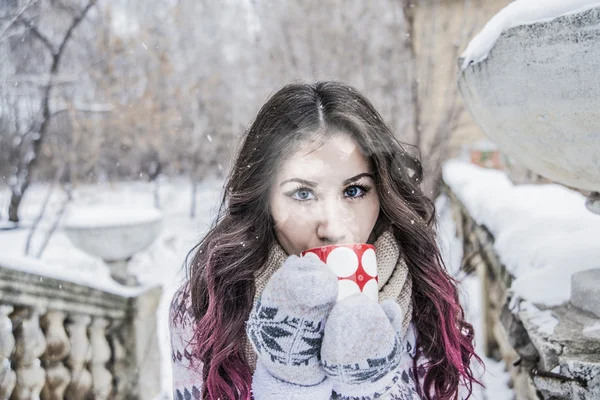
x,y
114,234
537,96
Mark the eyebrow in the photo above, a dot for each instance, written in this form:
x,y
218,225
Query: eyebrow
x,y
314,184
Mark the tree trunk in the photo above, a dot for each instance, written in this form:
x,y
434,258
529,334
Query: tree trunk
x,y
193,200
13,208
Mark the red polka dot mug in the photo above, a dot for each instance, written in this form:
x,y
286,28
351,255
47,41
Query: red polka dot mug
x,y
354,264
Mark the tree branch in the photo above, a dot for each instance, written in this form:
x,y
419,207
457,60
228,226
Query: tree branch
x,y
36,143
42,79
85,107
15,32
15,18
38,34
76,22
69,8
409,15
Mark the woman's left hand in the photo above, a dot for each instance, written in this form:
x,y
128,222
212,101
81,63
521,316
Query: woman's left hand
x,y
362,347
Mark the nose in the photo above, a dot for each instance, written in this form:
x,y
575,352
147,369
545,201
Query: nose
x,y
335,223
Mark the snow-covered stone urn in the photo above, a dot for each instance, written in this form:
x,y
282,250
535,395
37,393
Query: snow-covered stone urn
x,y
531,80
114,235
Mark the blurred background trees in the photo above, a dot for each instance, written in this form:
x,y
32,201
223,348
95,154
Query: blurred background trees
x,y
96,90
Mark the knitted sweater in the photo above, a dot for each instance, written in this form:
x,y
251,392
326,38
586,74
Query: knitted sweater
x,y
187,370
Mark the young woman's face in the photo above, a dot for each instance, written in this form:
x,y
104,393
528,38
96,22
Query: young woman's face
x,y
324,196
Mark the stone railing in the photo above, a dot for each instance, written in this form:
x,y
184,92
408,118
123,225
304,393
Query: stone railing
x,y
561,364
62,340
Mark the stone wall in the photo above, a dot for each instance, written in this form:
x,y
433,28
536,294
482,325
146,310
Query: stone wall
x,y
561,363
59,339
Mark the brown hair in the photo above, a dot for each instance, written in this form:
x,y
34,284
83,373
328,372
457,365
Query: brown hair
x,y
226,260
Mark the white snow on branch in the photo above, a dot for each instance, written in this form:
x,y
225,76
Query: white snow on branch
x,y
517,13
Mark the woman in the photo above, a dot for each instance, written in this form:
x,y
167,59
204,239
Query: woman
x,y
319,166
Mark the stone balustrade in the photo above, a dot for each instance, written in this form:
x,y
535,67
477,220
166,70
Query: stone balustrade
x,y
561,364
60,339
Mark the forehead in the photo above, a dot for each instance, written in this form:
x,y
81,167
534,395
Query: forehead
x,y
339,156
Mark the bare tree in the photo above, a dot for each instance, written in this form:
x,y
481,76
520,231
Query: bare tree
x,y
28,158
178,82
38,220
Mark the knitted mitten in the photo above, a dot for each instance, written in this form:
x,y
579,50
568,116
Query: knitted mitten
x,y
362,347
287,323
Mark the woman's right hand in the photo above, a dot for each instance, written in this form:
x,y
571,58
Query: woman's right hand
x,y
287,323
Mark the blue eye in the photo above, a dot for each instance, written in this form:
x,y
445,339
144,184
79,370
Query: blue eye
x,y
356,191
303,194
353,192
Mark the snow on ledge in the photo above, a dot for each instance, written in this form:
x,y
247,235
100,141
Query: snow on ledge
x,y
543,233
97,277
108,217
544,320
517,13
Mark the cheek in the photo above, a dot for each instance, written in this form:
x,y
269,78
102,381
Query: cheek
x,y
277,208
368,213
280,214
283,213
291,221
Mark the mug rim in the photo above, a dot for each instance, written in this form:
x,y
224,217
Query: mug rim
x,y
338,245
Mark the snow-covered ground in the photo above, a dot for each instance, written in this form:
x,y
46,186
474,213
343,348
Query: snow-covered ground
x,y
162,262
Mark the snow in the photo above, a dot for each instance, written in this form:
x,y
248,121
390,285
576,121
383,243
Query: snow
x,y
517,13
449,244
96,276
484,145
494,377
103,216
592,329
4,224
544,320
162,262
543,233
123,22
159,264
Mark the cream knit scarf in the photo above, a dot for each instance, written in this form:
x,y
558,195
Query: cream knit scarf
x,y
394,280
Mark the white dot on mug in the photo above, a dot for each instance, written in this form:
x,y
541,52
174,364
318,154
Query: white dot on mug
x,y
342,261
370,290
369,262
347,288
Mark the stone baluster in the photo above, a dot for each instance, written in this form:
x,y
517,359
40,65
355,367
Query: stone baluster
x,y
79,356
58,348
30,344
102,378
8,377
119,360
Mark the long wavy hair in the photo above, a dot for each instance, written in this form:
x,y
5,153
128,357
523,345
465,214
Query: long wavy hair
x,y
224,264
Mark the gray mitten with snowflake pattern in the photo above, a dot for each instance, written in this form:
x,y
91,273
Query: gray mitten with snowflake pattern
x,y
362,348
287,323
